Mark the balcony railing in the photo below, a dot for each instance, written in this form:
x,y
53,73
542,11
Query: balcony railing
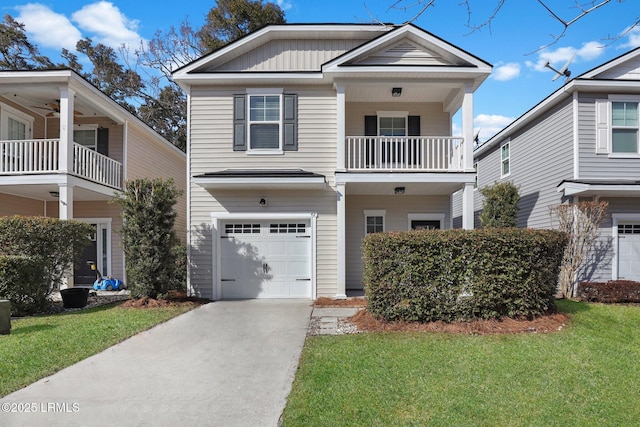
x,y
404,154
41,156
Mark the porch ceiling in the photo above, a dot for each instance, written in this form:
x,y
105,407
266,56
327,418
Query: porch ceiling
x,y
42,191
411,92
413,184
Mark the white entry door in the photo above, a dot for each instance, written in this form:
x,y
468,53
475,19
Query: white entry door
x,y
265,259
629,251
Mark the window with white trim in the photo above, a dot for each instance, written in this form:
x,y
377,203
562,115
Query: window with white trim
x,y
624,127
87,136
374,221
264,122
505,160
15,125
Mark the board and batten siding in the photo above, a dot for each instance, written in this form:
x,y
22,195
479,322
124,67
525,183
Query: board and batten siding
x,y
149,156
599,166
211,128
291,55
397,209
541,157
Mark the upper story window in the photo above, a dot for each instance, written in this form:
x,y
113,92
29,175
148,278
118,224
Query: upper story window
x,y
618,125
265,121
14,124
86,136
393,126
505,159
624,127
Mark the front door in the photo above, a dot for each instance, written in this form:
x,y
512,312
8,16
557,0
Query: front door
x,y
82,273
629,251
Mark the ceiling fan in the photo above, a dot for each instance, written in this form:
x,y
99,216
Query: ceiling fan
x,y
54,109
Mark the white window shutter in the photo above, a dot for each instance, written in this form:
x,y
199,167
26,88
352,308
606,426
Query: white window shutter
x,y
602,126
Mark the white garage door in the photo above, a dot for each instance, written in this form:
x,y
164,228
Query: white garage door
x,y
266,259
629,251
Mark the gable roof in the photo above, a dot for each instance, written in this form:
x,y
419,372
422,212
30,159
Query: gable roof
x,y
363,48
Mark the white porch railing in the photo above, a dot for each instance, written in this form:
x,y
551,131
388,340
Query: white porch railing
x,y
405,154
41,156
96,167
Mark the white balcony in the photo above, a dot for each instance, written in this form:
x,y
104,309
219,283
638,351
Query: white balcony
x,y
404,154
41,156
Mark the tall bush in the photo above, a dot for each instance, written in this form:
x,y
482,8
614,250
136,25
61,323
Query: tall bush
x,y
462,274
148,237
24,282
59,243
500,205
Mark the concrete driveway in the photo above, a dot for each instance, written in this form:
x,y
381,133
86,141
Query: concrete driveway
x,y
228,363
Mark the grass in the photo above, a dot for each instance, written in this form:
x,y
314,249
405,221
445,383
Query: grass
x,y
39,346
586,374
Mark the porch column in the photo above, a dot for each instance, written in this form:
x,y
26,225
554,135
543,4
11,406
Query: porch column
x,y
65,159
467,207
467,127
341,252
65,201
340,131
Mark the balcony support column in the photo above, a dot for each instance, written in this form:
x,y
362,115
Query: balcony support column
x,y
340,127
65,161
65,201
341,251
467,127
467,207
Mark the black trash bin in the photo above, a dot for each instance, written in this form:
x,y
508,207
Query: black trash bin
x,y
74,297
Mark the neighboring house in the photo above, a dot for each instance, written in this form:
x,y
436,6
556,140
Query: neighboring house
x,y
303,138
579,144
65,150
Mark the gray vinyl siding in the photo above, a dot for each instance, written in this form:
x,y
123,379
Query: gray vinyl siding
x,y
599,166
541,156
292,55
211,150
396,219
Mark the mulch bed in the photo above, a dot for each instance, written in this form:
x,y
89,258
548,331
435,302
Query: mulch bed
x,y
173,298
364,321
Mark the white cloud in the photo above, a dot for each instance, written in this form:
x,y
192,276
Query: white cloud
x,y
559,57
284,4
489,124
633,37
47,28
104,22
504,72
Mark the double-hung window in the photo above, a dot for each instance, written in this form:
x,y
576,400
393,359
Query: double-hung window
x,y
624,127
505,160
265,121
86,136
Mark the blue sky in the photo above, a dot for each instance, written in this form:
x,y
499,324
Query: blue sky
x,y
511,43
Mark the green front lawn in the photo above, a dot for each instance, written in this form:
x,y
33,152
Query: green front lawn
x,y
39,346
586,374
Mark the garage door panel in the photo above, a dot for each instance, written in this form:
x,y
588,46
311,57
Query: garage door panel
x,y
629,251
266,260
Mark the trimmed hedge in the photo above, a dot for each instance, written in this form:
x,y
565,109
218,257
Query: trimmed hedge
x,y
450,275
612,291
24,282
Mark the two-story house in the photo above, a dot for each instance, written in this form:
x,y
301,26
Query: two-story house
x,y
304,138
581,143
66,149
